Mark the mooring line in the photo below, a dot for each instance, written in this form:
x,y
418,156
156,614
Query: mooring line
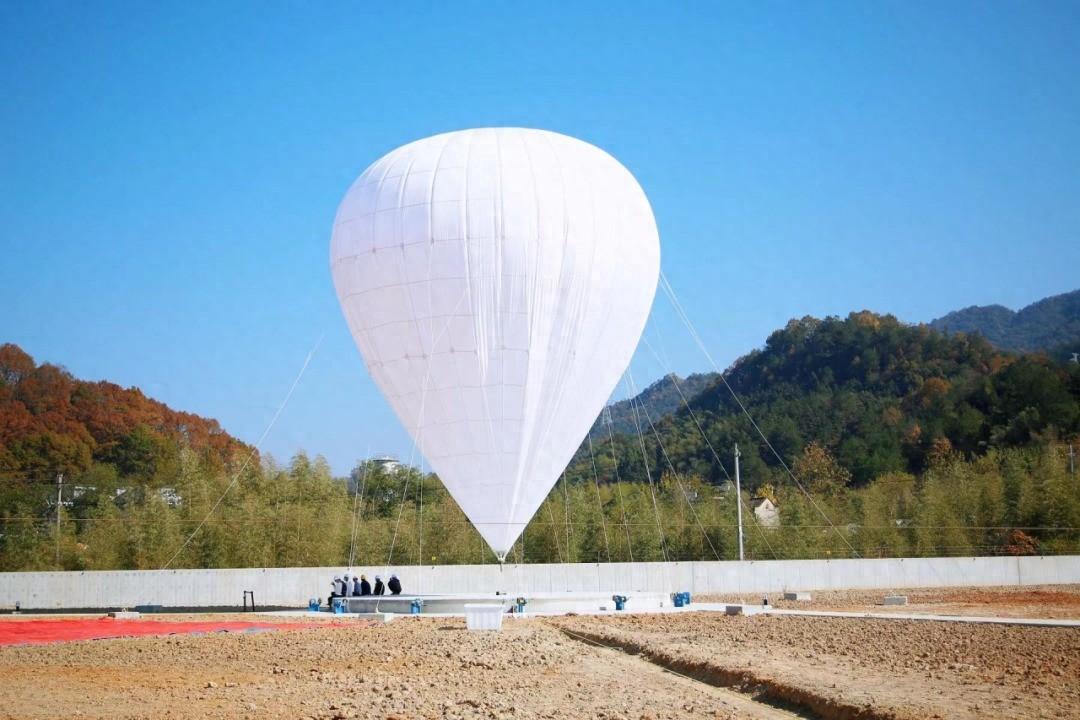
x,y
254,450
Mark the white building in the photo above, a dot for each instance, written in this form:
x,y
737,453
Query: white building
x,y
767,514
386,463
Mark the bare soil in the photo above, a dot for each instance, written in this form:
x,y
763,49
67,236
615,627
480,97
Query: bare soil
x,y
854,667
411,668
574,667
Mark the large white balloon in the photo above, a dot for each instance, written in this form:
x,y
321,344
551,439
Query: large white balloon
x,y
496,282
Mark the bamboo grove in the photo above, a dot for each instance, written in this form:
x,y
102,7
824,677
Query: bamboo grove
x,y
1006,502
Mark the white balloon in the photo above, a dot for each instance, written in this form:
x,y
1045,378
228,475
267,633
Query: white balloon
x,y
496,282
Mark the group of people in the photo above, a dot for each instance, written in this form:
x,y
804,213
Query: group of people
x,y
358,586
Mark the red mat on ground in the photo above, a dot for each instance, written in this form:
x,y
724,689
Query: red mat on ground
x,y
41,632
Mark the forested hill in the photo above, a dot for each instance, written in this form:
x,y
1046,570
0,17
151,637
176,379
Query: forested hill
x,y
51,422
879,395
659,399
1048,325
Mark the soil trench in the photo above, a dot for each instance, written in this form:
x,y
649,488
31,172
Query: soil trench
x,y
784,699
860,668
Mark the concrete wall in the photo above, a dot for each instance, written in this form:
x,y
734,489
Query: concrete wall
x,y
292,586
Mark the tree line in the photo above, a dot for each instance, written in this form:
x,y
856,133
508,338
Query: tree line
x,y
879,439
1013,501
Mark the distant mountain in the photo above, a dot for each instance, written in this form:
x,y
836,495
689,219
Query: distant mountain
x,y
659,399
1047,325
879,395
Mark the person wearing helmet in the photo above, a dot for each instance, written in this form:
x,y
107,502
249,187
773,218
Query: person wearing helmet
x,y
380,589
394,586
337,589
347,590
363,587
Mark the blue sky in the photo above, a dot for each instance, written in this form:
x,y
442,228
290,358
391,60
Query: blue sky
x,y
169,174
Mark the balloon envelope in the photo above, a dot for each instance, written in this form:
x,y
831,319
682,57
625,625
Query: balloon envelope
x,y
496,282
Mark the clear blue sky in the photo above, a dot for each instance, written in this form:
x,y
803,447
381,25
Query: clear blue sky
x,y
169,175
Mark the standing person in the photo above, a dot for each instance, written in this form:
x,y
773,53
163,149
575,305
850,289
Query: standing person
x,y
337,588
348,586
394,586
365,586
379,587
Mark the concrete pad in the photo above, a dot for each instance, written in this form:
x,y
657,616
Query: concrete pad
x,y
125,615
540,602
975,619
797,596
895,600
382,617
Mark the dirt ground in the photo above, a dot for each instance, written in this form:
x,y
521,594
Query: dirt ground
x,y
567,667
1057,601
411,668
854,667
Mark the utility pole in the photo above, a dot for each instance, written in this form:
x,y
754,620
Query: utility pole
x,y
738,500
1072,459
59,500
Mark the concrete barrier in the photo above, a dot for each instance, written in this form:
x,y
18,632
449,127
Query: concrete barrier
x,y
292,587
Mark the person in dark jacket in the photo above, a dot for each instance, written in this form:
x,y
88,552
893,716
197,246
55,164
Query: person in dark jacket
x,y
394,586
365,586
380,589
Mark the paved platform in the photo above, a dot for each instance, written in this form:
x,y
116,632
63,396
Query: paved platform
x,y
548,603
986,619
1043,622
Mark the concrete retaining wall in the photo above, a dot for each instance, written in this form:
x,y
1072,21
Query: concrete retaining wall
x,y
293,586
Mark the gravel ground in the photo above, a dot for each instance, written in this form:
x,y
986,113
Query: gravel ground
x,y
1058,601
863,667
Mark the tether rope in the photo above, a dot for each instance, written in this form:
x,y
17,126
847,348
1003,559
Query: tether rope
x,y
358,506
566,513
618,492
648,472
253,453
599,500
675,474
708,442
554,530
677,305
